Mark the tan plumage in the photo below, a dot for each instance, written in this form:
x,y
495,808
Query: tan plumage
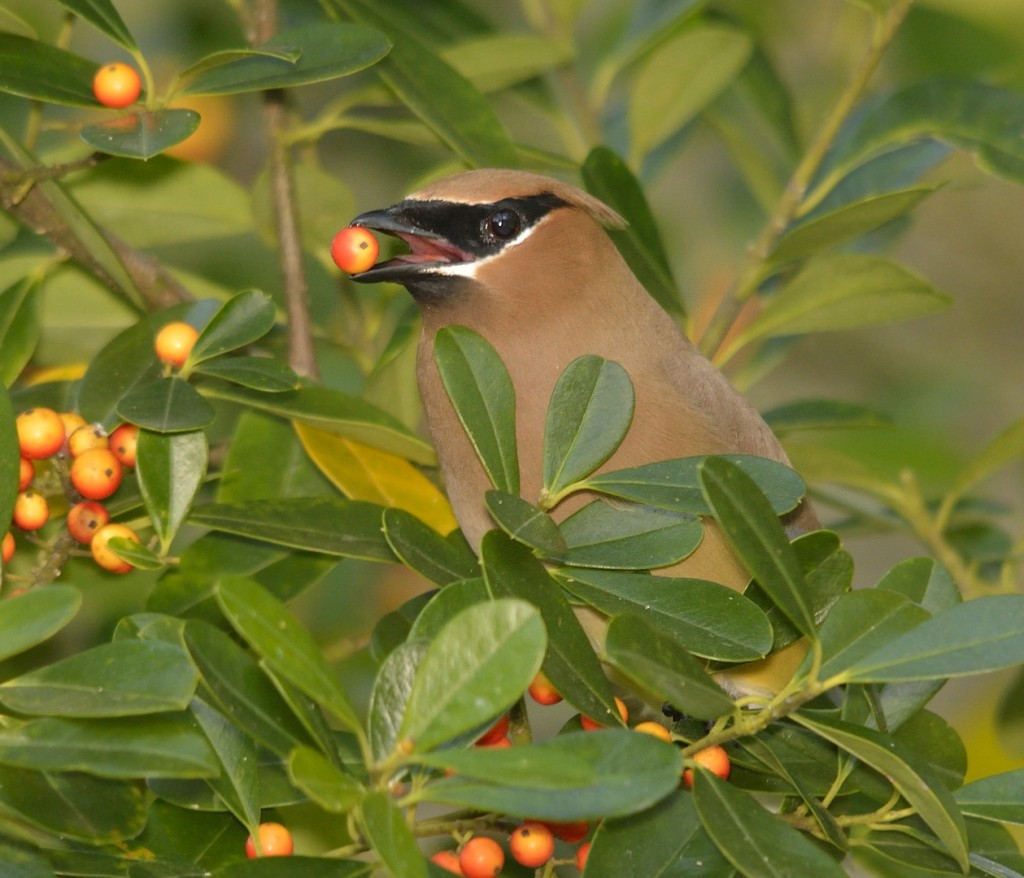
x,y
542,299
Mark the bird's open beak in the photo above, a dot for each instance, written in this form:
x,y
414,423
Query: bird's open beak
x,y
427,249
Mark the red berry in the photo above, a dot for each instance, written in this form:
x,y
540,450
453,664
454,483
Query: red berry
x,y
124,443
582,852
116,85
26,474
40,433
542,691
7,550
31,510
482,857
569,832
102,553
96,473
531,844
354,250
714,759
495,733
174,342
275,841
85,518
592,724
447,860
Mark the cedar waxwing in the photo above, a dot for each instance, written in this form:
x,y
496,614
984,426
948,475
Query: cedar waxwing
x,y
523,260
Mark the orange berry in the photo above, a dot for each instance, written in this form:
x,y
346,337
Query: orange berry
x,y
447,860
31,510
582,852
495,733
531,844
354,250
85,518
96,473
7,550
124,443
500,744
542,691
26,474
86,437
654,729
569,832
116,85
714,759
275,841
481,857
72,421
174,342
102,553
591,724
40,433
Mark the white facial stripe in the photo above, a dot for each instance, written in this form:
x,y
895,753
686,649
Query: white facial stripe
x,y
469,269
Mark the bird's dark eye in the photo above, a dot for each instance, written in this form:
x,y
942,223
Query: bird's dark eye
x,y
503,224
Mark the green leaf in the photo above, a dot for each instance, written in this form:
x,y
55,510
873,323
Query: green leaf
x,y
244,318
337,412
925,581
321,51
169,405
607,177
675,484
1004,449
390,694
970,638
21,863
706,57
142,135
511,570
284,645
102,15
349,528
492,62
322,781
442,99
446,603
288,53
574,776
823,414
33,69
33,617
590,411
171,469
237,782
998,797
19,328
152,746
478,664
628,537
757,843
296,867
705,618
390,836
915,781
526,524
423,549
756,535
124,678
258,373
135,554
481,391
657,665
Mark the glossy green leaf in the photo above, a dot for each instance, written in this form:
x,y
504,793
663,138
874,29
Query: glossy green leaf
x,y
152,746
590,411
389,834
705,618
33,69
446,603
124,678
915,781
478,664
390,694
244,318
323,781
756,842
142,135
631,537
656,664
481,391
423,549
95,810
102,15
169,405
969,638
925,581
526,524
675,484
575,776
492,62
33,617
664,841
756,535
241,690
1004,449
349,528
134,553
237,781
171,468
998,797
442,99
19,328
284,645
285,52
823,414
609,178
20,863
258,373
338,412
325,51
511,570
